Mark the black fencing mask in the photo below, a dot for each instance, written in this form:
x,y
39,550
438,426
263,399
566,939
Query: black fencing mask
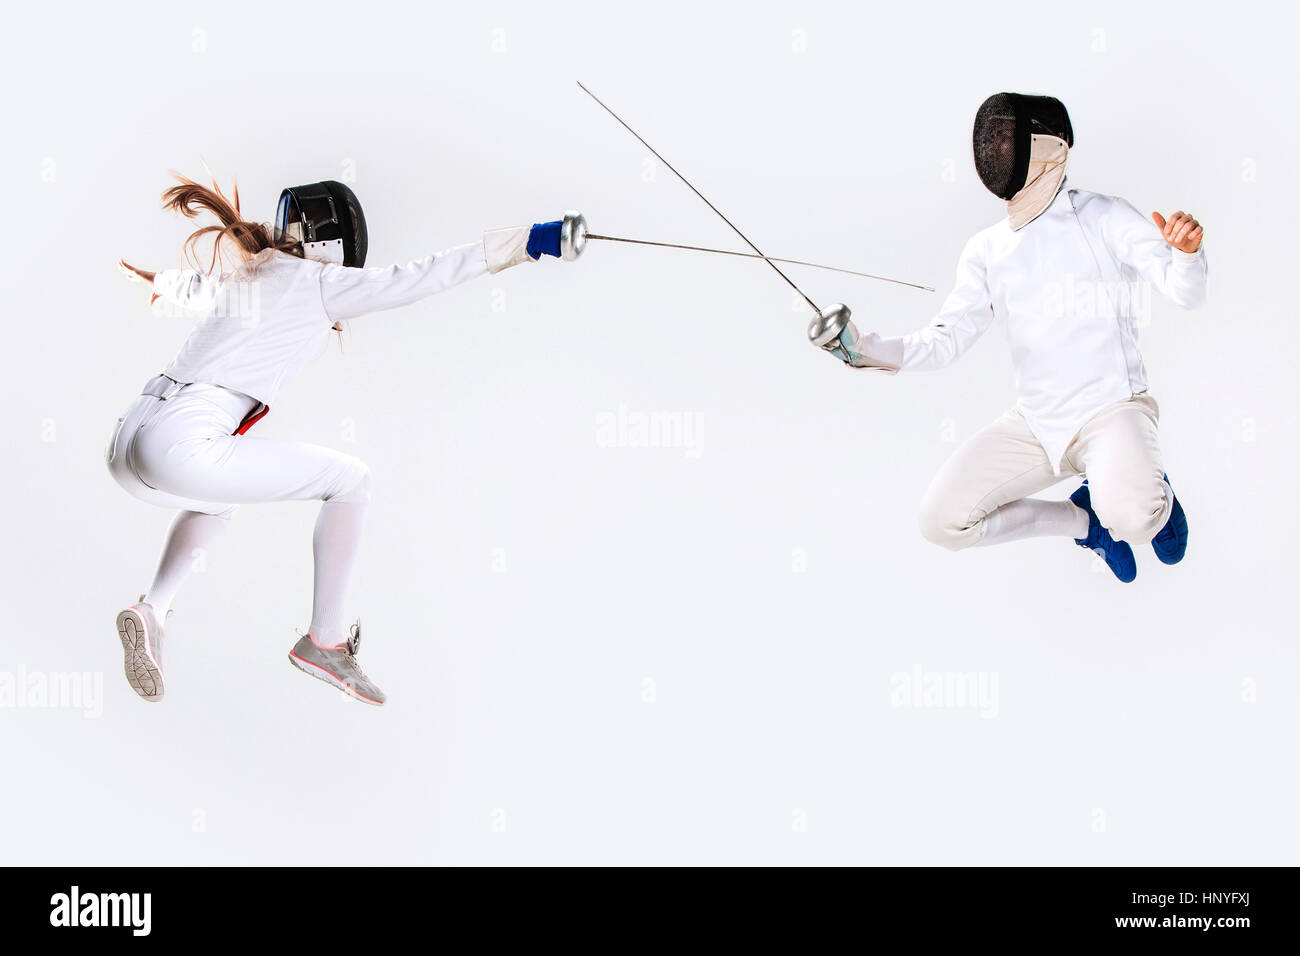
x,y
327,219
1004,129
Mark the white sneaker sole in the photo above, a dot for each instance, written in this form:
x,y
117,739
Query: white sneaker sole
x,y
321,674
142,670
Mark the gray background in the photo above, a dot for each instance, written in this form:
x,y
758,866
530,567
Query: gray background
x,y
622,654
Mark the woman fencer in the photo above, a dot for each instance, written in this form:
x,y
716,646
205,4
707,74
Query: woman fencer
x,y
1064,269
183,442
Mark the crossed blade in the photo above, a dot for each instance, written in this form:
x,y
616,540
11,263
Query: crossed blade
x,y
756,254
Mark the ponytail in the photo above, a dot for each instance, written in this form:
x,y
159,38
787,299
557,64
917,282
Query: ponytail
x,y
189,199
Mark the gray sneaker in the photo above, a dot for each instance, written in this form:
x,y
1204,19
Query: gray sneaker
x,y
141,634
337,666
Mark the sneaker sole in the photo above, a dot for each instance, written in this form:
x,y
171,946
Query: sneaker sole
x,y
321,674
1132,575
1178,550
142,671
1171,557
1174,553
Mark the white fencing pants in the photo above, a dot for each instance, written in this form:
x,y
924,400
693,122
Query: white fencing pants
x,y
178,451
1118,450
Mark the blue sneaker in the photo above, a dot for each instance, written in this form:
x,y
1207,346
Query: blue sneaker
x,y
1117,554
1171,543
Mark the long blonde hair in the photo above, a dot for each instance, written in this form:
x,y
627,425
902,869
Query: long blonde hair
x,y
189,199
247,238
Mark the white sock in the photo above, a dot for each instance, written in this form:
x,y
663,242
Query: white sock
x,y
188,539
1034,518
335,544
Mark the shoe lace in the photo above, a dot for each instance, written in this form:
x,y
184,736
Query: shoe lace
x,y
351,647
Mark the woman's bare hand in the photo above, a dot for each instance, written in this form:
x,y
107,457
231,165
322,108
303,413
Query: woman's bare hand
x,y
134,274
137,275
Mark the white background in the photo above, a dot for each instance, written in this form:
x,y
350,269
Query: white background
x,y
650,679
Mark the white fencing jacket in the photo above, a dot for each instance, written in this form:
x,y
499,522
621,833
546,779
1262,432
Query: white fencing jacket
x,y
257,327
1069,285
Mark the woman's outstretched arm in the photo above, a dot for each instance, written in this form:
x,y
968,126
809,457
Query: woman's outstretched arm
x,y
348,293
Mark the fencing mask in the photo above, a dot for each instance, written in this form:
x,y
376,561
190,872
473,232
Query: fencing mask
x,y
327,219
1021,147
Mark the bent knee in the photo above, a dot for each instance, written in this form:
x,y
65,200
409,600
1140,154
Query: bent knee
x,y
356,484
943,526
1133,515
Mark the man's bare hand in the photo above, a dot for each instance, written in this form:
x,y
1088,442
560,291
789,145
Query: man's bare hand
x,y
1181,231
136,275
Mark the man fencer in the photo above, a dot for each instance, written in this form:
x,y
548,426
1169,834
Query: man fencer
x,y
1063,269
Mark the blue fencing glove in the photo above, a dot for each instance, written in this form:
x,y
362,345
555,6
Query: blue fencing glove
x,y
544,239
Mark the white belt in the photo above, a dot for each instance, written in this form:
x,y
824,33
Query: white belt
x,y
160,386
245,410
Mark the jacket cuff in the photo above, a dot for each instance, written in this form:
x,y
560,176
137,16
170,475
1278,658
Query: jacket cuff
x,y
503,248
874,352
